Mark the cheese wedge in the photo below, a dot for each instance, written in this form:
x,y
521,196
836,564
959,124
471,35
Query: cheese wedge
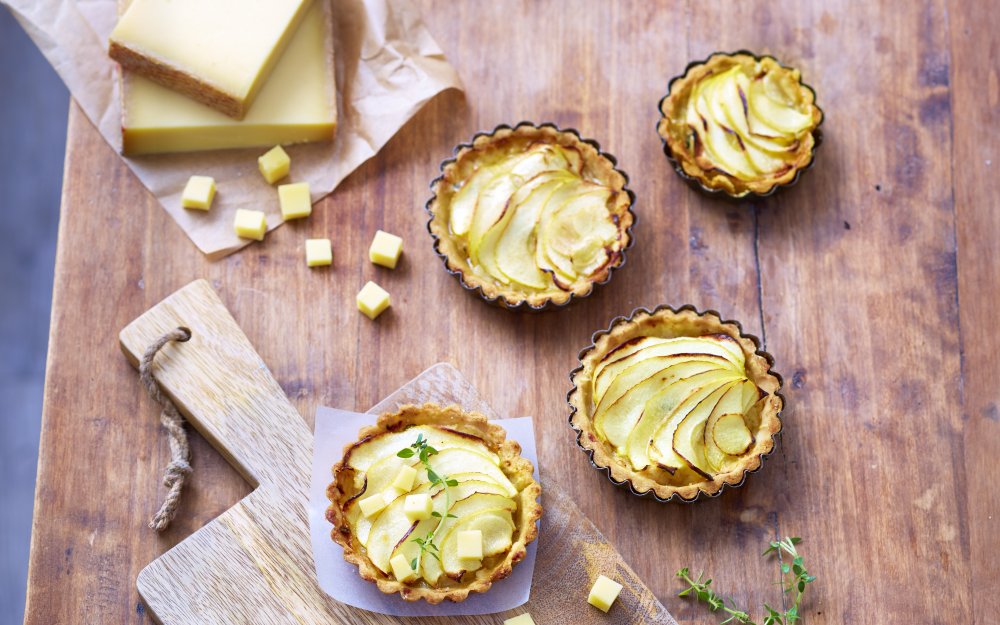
x,y
218,52
296,105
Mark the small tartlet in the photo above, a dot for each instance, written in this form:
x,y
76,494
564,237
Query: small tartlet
x,y
349,486
667,323
503,144
765,158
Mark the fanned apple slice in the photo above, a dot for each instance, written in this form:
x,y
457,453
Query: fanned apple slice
x,y
546,257
731,434
733,402
668,406
689,437
486,254
463,204
719,345
384,471
731,105
363,454
721,142
661,446
615,419
388,530
624,350
781,116
577,236
455,460
497,527
472,504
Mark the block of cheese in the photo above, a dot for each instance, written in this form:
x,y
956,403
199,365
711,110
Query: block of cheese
x,y
418,507
401,569
250,224
198,193
294,200
319,252
371,505
219,53
604,593
274,164
520,619
385,249
297,104
470,545
372,300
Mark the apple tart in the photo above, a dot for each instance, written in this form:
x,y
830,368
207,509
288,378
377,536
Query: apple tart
x,y
740,124
433,503
531,216
675,403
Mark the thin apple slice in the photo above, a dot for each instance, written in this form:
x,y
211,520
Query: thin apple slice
x,y
469,506
671,404
689,437
389,529
515,254
781,116
497,527
579,233
731,434
455,460
365,453
546,257
661,444
623,350
463,203
732,402
720,345
615,419
721,142
731,105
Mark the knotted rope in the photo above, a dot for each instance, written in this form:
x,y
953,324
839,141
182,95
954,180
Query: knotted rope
x,y
180,453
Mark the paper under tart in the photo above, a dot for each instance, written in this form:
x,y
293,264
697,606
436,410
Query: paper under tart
x,y
517,468
597,165
666,322
673,132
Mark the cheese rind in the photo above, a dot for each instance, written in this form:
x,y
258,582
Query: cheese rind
x,y
198,193
297,104
274,164
250,224
385,249
372,300
219,53
319,252
295,201
604,593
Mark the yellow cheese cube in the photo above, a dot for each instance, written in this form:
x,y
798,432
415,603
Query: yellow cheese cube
x,y
372,505
418,507
199,193
372,300
401,569
274,164
385,249
470,545
404,479
604,593
294,200
318,252
250,224
521,619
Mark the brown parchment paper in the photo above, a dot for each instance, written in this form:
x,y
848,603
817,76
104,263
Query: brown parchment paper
x,y
388,66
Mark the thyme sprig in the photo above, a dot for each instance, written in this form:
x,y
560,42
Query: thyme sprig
x,y
794,575
427,543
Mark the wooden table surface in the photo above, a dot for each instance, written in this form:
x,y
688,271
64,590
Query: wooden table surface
x,y
874,284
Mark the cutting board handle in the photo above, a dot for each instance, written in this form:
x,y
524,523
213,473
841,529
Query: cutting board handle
x,y
220,384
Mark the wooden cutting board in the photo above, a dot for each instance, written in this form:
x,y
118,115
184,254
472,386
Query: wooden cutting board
x,y
253,564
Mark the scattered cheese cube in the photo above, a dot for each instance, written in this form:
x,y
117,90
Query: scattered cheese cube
x,y
372,505
521,619
372,300
385,249
274,164
470,545
604,593
199,193
401,569
318,252
418,507
404,480
294,200
250,224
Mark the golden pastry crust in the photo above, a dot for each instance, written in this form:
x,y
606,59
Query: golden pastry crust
x,y
597,166
675,133
666,322
517,469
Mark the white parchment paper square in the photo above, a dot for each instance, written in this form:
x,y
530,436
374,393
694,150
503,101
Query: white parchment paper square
x,y
334,430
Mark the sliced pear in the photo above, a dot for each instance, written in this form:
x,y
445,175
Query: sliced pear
x,y
733,402
670,409
713,345
670,405
721,142
384,471
615,419
388,529
780,116
363,454
689,437
497,527
456,460
577,235
469,506
731,434
624,350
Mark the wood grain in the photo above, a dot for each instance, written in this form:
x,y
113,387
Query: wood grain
x,y
254,562
869,281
